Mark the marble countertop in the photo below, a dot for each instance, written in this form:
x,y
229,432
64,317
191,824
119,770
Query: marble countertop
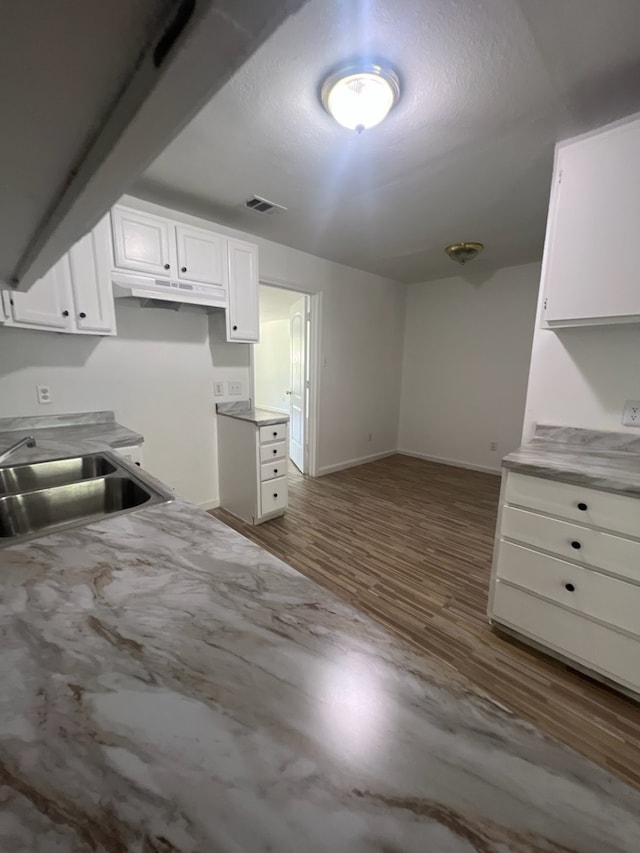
x,y
167,685
244,411
62,435
608,461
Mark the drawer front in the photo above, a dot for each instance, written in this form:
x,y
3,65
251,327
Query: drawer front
x,y
595,646
600,509
270,470
573,542
273,451
593,594
273,495
276,432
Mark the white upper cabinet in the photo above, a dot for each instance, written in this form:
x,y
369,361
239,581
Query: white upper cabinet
x,y
48,304
201,256
242,313
142,242
89,262
75,296
591,270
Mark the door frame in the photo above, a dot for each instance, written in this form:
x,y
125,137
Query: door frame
x,y
315,311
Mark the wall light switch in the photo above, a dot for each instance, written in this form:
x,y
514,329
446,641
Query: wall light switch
x,y
44,394
218,389
235,388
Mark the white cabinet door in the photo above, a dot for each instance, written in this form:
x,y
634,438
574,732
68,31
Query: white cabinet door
x,y
592,271
142,242
201,255
48,304
90,266
242,314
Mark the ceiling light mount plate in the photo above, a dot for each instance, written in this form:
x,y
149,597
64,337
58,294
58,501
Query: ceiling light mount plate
x,y
464,252
361,94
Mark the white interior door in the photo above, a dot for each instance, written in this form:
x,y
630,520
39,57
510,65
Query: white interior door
x,y
299,384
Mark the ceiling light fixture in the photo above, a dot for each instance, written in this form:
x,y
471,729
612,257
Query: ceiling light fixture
x,y
360,96
463,252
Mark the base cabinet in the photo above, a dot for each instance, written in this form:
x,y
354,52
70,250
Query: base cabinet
x,y
252,462
570,588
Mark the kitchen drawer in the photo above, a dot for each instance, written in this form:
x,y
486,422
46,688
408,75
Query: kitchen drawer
x,y
603,550
270,470
273,451
600,509
590,644
273,495
275,432
611,600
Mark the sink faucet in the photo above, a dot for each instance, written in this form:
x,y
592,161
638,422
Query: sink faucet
x,y
27,441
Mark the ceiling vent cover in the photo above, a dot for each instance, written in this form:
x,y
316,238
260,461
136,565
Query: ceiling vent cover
x,y
263,205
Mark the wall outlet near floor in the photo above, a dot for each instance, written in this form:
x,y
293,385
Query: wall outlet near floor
x,y
44,394
235,388
631,413
493,446
218,389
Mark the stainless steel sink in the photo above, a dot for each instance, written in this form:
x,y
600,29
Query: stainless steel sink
x,y
46,497
58,472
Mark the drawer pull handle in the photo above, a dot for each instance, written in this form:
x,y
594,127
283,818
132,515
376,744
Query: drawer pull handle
x,y
275,470
275,434
569,587
275,494
583,507
575,544
275,451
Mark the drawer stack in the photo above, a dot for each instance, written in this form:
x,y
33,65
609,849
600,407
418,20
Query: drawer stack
x,y
273,468
566,573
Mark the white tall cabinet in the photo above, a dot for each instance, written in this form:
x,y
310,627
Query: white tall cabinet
x,y
591,269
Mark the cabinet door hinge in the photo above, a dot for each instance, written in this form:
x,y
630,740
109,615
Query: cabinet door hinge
x,y
545,303
560,176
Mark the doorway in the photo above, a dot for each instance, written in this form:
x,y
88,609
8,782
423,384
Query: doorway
x,y
282,369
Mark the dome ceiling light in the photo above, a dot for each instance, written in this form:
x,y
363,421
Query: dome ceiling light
x,y
360,96
464,252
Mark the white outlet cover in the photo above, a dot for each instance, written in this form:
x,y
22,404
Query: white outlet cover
x,y
631,413
44,394
235,388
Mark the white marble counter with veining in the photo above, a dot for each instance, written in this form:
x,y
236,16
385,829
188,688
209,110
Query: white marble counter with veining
x,y
609,461
63,435
167,685
245,411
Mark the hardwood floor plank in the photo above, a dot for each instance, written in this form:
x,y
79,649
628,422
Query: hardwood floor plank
x,y
409,542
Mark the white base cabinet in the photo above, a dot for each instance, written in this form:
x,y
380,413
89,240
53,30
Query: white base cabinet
x,y
75,296
252,461
566,574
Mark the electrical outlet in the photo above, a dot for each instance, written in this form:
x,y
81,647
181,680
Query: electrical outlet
x,y
370,436
493,446
235,388
631,413
44,394
218,389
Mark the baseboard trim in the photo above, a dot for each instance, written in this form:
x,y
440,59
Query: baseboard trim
x,y
485,469
210,504
352,463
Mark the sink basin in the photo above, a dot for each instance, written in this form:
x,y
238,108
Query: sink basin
x,y
43,475
47,510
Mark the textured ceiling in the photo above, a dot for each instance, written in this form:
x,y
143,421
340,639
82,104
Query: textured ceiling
x,y
487,88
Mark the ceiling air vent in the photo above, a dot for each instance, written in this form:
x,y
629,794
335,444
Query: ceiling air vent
x,y
262,205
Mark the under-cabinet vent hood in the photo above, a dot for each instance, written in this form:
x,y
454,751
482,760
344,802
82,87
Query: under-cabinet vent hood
x,y
158,290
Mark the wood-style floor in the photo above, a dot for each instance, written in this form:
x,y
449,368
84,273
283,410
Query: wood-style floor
x,y
410,542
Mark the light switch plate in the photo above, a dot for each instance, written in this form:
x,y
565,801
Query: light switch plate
x,y
235,388
218,389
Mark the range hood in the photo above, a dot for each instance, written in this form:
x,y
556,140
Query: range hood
x,y
101,90
156,292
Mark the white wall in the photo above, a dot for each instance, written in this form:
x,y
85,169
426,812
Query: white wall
x,y
582,377
360,342
271,365
466,360
156,375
